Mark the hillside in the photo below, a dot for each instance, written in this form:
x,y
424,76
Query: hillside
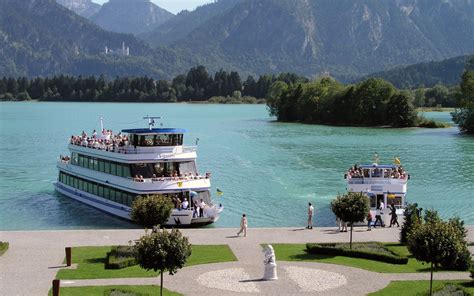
x,y
185,22
130,16
40,37
447,72
85,8
343,37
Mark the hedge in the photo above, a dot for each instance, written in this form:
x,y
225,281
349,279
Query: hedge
x,y
3,247
120,257
333,249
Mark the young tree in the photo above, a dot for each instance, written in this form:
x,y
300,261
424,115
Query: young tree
x,y
151,210
351,207
464,116
437,242
412,218
164,251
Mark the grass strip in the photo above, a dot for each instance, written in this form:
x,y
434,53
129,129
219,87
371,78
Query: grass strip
x,y
408,288
91,262
297,252
108,290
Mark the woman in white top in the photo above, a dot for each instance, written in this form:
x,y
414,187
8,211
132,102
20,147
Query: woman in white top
x,y
243,225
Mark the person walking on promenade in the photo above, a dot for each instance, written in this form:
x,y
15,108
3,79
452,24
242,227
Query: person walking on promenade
x,y
310,216
378,216
369,221
243,225
393,213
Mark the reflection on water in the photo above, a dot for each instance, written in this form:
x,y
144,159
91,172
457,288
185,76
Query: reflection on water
x,y
266,169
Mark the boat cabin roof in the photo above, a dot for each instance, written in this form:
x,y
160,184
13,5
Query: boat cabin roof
x,y
154,131
377,166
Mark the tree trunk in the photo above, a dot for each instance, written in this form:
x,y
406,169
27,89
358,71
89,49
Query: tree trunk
x,y
431,280
350,243
161,285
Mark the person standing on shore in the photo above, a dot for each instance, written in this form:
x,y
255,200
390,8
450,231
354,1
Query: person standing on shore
x,y
378,215
393,213
369,221
310,216
243,225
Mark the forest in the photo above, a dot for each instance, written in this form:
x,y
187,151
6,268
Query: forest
x,y
196,85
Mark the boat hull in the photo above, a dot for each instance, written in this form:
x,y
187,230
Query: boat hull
x,y
178,218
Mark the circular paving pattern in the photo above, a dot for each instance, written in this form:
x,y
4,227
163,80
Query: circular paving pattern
x,y
307,279
231,279
317,280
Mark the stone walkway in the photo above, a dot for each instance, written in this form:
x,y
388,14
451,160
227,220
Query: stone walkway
x,y
34,257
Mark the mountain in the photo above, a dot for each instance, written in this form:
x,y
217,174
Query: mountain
x,y
185,22
447,72
346,38
41,37
85,8
130,16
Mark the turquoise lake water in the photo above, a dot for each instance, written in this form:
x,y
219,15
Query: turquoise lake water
x,y
266,169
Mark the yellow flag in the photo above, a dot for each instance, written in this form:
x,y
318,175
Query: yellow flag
x,y
180,184
397,161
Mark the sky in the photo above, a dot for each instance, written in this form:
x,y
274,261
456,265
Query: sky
x,y
173,6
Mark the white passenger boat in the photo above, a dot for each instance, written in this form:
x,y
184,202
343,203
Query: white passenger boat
x,y
381,183
109,171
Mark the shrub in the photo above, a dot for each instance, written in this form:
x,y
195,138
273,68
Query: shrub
x,y
120,292
337,250
3,247
120,257
451,290
430,123
151,210
412,218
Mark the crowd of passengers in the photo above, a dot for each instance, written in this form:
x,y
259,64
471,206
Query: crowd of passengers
x,y
174,176
199,207
395,173
106,140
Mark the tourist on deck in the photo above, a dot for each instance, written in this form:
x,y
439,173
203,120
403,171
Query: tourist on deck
x,y
369,221
394,218
184,204
243,226
202,206
310,216
378,215
196,209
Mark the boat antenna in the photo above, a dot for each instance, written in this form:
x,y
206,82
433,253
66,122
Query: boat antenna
x,y
151,120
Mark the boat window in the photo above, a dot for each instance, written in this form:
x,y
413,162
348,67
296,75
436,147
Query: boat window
x,y
142,169
113,168
187,167
101,166
157,140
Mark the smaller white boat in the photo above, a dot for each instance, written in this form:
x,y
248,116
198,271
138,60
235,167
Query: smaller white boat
x,y
383,184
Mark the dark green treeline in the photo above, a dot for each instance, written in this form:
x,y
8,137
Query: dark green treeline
x,y
373,102
196,85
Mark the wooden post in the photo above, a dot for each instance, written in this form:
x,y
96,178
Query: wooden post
x,y
56,287
68,256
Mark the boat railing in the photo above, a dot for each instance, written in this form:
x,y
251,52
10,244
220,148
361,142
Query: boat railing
x,y
128,149
177,179
377,180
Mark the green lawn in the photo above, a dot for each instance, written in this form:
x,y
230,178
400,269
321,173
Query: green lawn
x,y
3,247
398,288
91,261
100,290
296,252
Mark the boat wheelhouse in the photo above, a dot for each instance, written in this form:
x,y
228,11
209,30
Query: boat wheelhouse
x,y
109,171
381,183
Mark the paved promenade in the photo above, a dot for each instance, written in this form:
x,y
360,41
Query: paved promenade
x,y
34,258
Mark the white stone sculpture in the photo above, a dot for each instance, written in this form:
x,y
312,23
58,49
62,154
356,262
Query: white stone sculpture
x,y
270,273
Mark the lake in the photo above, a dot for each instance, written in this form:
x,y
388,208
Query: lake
x,y
266,169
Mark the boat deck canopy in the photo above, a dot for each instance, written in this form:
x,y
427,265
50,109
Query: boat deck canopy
x,y
147,131
379,166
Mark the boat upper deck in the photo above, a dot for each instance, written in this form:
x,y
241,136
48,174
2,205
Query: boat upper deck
x,y
377,174
164,142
